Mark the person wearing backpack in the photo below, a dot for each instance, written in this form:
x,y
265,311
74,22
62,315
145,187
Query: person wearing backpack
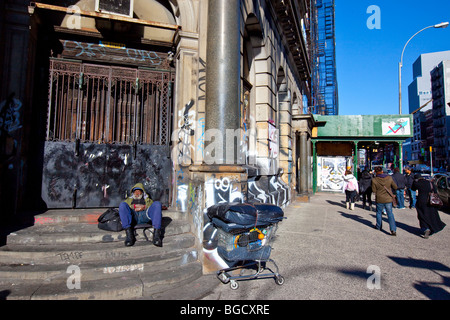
x,y
351,189
139,208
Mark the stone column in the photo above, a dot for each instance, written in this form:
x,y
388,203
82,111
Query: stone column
x,y
310,163
303,125
220,178
303,163
222,81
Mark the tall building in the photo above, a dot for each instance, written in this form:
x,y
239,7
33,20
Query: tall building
x,y
419,99
440,86
323,54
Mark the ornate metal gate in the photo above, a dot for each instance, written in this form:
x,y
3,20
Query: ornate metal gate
x,y
108,128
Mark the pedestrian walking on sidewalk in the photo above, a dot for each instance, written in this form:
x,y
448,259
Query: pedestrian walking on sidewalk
x,y
400,181
411,193
428,216
365,188
382,186
351,189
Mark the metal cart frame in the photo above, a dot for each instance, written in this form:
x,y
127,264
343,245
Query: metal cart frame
x,y
262,270
260,273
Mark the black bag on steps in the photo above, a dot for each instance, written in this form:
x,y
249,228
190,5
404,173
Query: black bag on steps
x,y
110,220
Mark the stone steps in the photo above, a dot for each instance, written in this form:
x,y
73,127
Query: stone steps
x,y
66,233
65,256
86,252
124,287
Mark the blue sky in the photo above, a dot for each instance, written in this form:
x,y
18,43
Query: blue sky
x,y
367,59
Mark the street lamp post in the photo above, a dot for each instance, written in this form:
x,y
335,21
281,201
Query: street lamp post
x,y
400,65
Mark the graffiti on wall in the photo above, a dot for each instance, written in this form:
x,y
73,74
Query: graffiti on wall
x,y
228,188
268,189
222,190
196,202
10,122
182,153
112,51
332,170
102,174
182,136
10,115
219,189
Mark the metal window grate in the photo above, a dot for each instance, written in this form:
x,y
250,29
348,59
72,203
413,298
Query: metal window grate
x,y
108,104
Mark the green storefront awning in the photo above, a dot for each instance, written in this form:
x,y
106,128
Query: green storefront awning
x,y
389,127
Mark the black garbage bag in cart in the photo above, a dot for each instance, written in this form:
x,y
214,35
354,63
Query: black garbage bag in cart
x,y
245,234
246,214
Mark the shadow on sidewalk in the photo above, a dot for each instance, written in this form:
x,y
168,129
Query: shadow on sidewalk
x,y
357,218
413,230
371,223
339,204
433,290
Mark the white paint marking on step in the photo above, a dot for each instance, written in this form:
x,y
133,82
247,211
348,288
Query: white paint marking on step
x,y
126,268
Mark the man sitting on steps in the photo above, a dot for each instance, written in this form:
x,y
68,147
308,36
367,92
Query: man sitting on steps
x,y
138,209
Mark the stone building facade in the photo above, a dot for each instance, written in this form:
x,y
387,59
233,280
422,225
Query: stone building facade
x,y
201,100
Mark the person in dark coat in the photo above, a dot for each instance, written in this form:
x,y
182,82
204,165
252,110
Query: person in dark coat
x,y
409,181
428,216
365,188
400,181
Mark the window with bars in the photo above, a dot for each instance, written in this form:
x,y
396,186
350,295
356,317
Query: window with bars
x,y
108,104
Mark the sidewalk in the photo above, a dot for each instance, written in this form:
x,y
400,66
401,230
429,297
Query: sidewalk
x,y
326,252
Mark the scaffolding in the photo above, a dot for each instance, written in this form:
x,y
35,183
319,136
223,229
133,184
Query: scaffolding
x,y
323,53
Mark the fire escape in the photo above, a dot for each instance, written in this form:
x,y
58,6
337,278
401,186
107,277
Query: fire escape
x,y
292,19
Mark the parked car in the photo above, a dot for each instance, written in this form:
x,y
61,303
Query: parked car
x,y
422,168
442,182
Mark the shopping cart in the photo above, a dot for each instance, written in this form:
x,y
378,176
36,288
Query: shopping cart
x,y
245,233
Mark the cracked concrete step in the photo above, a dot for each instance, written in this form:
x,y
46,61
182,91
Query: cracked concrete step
x,y
86,252
81,232
37,261
107,268
139,285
